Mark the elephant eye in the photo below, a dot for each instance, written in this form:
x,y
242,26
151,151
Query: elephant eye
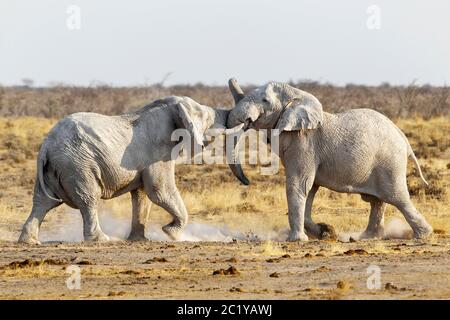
x,y
265,100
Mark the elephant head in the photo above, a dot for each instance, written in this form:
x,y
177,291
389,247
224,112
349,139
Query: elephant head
x,y
197,119
273,106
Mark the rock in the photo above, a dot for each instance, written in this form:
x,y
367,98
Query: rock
x,y
156,259
114,293
130,272
390,286
285,256
322,269
35,263
219,272
274,275
230,271
342,285
354,252
327,232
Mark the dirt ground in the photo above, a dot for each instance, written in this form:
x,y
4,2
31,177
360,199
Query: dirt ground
x,y
251,270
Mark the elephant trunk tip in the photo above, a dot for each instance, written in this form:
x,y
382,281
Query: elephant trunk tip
x,y
245,181
239,173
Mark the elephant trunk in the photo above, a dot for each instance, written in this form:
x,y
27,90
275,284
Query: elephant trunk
x,y
232,122
235,165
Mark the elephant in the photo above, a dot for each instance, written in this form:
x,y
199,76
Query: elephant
x,y
357,151
88,156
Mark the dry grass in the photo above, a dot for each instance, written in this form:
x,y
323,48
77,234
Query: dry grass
x,y
213,195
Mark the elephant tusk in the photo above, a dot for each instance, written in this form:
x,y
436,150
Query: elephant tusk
x,y
236,90
235,129
276,132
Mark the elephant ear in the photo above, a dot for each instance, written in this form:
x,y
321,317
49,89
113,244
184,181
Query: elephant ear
x,y
188,123
298,116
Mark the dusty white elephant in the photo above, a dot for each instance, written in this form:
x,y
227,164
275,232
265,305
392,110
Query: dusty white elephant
x,y
88,156
357,151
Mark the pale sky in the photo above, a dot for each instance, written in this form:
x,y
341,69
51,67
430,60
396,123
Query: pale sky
x,y
136,41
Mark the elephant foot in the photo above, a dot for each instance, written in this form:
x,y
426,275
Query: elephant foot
x,y
372,234
29,234
423,232
297,236
137,233
172,232
136,237
27,239
98,237
327,232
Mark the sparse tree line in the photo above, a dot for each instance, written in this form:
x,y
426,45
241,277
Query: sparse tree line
x,y
60,100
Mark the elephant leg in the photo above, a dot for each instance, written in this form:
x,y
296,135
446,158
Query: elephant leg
x,y
296,190
159,184
310,226
41,205
300,176
141,209
398,196
415,219
375,228
316,230
91,226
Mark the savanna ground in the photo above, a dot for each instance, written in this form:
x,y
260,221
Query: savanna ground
x,y
232,227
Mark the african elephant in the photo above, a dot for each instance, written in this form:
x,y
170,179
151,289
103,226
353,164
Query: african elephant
x,y
357,151
89,156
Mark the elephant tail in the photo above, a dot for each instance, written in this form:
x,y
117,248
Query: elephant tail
x,y
42,160
416,163
411,154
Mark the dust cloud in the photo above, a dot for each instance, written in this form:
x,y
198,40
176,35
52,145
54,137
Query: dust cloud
x,y
69,228
397,229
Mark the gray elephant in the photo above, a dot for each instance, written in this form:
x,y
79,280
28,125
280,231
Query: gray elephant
x,y
357,151
88,156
